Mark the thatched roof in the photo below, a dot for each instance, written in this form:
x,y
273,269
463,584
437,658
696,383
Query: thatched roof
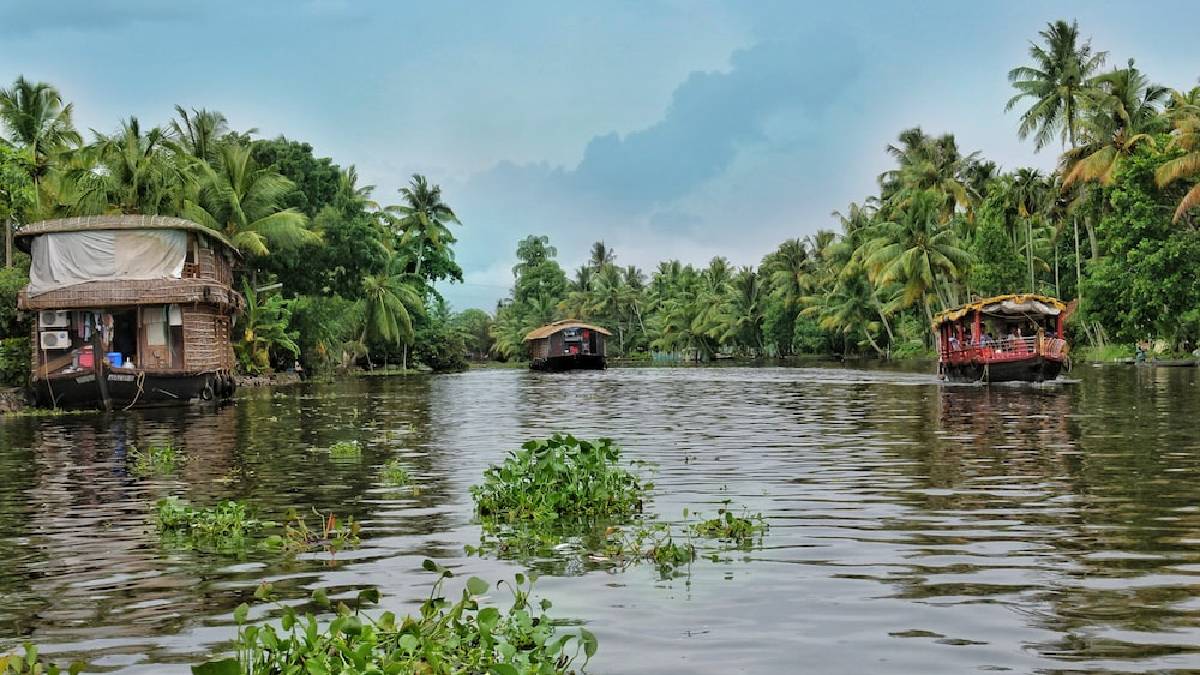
x,y
117,222
552,328
1020,303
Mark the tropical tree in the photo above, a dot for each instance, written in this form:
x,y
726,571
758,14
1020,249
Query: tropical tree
x,y
131,171
244,201
601,256
263,327
1125,113
16,194
37,122
390,299
917,252
199,131
1184,114
424,221
1058,84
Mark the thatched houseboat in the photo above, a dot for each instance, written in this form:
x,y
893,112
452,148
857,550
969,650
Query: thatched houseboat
x,y
567,345
1007,338
129,310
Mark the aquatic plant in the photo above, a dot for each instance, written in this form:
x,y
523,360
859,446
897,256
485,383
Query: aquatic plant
x,y
655,543
29,663
731,527
345,450
442,638
224,527
157,459
332,535
394,474
560,478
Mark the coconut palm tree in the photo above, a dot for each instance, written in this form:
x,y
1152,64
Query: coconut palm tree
x,y
424,221
390,299
1184,113
601,256
1125,114
1031,195
1058,84
131,171
35,119
849,308
917,252
197,132
243,201
929,163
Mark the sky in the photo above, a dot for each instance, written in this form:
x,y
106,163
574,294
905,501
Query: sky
x,y
669,129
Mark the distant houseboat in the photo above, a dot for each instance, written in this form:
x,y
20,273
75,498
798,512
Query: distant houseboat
x,y
129,310
567,345
1008,338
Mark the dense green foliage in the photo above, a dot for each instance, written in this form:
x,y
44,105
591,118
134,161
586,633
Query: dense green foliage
x,y
227,527
1114,225
443,638
561,478
331,278
1111,226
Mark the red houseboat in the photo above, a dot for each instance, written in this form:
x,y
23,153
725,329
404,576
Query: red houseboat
x,y
1008,338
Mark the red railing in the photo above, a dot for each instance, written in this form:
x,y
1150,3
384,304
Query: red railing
x,y
1005,349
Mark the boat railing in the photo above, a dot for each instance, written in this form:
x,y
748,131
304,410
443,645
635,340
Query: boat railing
x,y
1006,348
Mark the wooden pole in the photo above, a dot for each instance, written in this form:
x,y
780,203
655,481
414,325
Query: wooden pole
x,y
98,365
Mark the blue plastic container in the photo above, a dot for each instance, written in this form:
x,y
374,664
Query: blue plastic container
x,y
115,359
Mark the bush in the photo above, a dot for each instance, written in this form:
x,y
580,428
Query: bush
x,y
14,362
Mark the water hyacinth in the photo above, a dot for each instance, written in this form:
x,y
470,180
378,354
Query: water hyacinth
x,y
443,638
560,478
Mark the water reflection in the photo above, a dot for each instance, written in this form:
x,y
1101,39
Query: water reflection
x,y
914,527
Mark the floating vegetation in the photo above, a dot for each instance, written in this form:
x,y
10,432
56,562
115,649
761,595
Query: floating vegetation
x,y
29,663
157,459
345,450
655,543
331,535
727,526
559,479
443,638
394,474
48,412
226,528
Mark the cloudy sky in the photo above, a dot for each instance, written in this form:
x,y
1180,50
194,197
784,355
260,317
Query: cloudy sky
x,y
669,129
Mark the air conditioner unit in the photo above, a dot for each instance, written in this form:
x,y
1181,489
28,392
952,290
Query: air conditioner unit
x,y
56,339
54,318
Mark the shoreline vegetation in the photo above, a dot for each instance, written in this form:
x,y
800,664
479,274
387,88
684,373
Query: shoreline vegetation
x,y
336,281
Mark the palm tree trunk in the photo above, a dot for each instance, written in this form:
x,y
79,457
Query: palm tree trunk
x,y
8,242
1029,250
1057,292
416,273
1078,263
928,318
874,344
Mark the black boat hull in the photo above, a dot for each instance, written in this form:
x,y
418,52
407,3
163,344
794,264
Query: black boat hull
x,y
133,390
558,364
1033,369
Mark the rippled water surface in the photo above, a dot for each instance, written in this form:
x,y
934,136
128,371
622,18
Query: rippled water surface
x,y
914,528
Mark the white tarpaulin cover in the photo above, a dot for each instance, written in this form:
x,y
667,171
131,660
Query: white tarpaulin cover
x,y
1027,307
62,259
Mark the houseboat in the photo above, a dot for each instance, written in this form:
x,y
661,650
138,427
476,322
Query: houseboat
x,y
567,345
129,311
1008,338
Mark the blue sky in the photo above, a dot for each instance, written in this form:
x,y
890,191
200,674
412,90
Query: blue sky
x,y
674,129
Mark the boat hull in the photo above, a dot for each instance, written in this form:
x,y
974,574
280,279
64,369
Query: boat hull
x,y
133,390
558,364
1032,369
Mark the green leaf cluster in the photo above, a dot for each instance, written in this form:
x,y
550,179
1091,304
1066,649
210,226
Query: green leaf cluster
x,y
447,636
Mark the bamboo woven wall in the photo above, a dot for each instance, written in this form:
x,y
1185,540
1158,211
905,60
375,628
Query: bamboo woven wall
x,y
99,294
206,344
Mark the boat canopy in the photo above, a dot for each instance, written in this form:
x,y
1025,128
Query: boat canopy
x,y
552,328
1004,306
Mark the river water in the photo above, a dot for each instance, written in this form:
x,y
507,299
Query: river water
x,y
914,527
